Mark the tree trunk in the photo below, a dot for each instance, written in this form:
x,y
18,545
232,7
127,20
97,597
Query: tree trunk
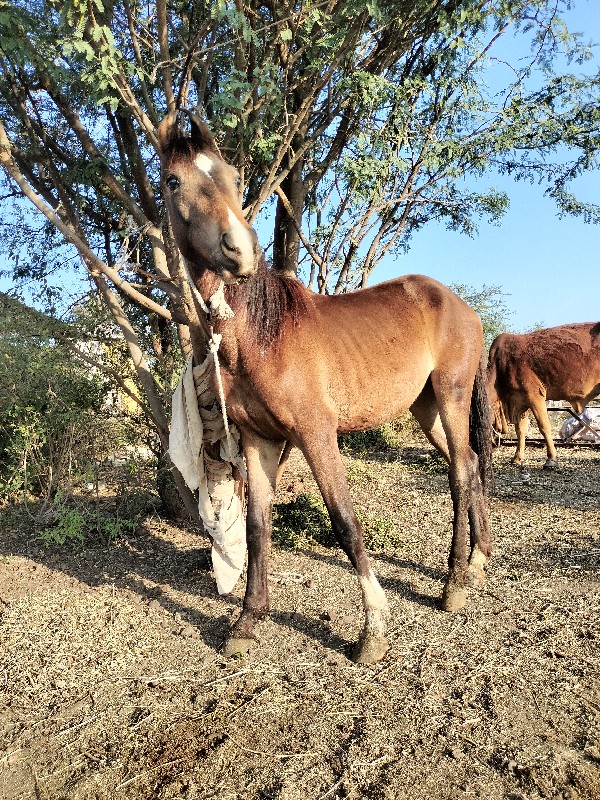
x,y
286,242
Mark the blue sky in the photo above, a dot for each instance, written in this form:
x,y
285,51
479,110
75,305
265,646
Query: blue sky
x,y
548,268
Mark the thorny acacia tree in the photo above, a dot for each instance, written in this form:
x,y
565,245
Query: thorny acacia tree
x,y
352,124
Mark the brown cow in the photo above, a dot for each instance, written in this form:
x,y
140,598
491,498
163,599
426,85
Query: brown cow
x,y
525,370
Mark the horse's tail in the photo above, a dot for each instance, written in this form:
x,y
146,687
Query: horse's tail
x,y
480,427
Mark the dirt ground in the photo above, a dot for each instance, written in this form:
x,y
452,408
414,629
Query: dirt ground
x,y
112,684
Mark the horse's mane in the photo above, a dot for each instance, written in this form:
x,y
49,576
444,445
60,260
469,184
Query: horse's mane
x,y
269,299
182,147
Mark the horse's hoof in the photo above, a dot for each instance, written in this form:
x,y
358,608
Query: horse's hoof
x,y
371,650
453,599
238,647
550,464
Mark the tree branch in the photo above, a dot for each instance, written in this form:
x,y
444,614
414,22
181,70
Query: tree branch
x,y
94,264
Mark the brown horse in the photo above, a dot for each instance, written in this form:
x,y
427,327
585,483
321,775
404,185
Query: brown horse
x,y
301,368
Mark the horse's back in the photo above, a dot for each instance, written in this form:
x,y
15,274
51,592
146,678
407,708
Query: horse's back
x,y
373,350
416,305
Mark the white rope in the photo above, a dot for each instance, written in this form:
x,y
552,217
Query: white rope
x,y
220,308
217,306
213,346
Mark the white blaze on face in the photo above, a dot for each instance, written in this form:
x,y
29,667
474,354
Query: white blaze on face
x,y
204,163
240,236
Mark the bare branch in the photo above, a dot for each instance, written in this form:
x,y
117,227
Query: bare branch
x,y
94,264
163,40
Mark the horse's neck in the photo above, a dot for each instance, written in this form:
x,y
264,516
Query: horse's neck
x,y
217,317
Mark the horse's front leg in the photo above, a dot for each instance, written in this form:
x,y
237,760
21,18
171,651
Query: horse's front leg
x,y
262,460
322,453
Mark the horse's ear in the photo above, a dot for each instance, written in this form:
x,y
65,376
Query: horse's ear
x,y
200,134
167,131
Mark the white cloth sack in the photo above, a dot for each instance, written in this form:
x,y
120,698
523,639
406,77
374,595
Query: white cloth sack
x,y
197,421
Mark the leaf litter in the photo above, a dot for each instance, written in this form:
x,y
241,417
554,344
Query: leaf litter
x,y
112,684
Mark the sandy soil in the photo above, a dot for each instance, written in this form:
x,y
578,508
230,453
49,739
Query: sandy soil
x,y
112,684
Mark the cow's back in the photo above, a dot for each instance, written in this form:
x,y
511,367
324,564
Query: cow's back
x,y
560,363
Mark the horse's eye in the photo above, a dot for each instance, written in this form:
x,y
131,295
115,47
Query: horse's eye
x,y
172,182
238,182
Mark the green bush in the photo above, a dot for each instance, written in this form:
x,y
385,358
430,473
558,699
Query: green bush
x,y
380,533
57,432
385,438
49,407
73,521
304,522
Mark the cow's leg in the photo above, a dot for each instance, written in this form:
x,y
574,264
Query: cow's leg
x,y
262,460
321,452
543,422
521,430
426,412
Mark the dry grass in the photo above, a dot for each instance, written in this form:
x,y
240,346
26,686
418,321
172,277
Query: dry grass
x,y
113,686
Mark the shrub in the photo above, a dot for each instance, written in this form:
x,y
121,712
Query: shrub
x,y
70,520
385,438
48,406
304,522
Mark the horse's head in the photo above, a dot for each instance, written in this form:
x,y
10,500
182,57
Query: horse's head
x,y
201,192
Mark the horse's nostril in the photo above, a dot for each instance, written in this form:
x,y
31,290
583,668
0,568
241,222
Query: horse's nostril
x,y
227,242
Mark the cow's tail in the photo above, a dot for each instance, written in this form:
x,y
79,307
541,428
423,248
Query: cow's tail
x,y
480,428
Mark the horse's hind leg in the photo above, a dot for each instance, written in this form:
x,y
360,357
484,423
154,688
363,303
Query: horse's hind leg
x,y
425,410
465,487
326,464
262,460
481,542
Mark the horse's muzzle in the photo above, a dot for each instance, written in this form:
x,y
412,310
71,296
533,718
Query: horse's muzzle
x,y
239,246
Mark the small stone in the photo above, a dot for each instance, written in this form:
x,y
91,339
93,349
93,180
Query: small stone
x,y
329,616
75,708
